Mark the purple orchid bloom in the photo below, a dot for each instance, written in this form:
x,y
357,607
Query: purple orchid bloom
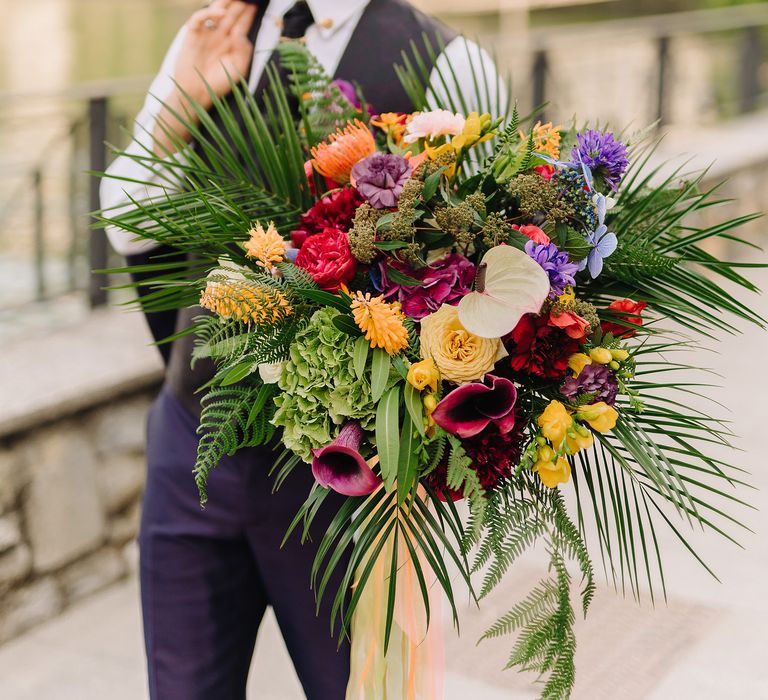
x,y
471,408
603,241
341,467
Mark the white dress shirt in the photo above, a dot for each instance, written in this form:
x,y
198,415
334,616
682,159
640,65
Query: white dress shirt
x,y
327,39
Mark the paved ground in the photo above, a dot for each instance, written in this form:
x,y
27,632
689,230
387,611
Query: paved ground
x,y
709,643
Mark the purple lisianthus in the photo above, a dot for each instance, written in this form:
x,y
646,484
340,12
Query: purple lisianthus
x,y
556,264
593,379
445,281
602,154
380,178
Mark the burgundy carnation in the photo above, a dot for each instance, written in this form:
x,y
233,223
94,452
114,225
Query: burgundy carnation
x,y
494,456
334,211
537,348
445,281
326,256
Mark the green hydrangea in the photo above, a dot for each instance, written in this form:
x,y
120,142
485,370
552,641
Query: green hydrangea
x,y
319,388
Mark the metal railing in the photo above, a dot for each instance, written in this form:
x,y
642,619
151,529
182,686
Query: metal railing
x,y
95,116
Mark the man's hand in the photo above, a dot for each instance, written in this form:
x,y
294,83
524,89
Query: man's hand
x,y
215,50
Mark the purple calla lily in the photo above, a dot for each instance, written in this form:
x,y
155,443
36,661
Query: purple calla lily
x,y
469,410
341,467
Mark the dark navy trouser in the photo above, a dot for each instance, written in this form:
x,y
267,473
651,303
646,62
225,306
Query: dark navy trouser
x,y
207,576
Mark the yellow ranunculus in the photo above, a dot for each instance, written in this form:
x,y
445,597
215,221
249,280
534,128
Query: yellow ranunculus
x,y
579,441
553,473
578,361
460,355
600,355
600,416
555,422
424,374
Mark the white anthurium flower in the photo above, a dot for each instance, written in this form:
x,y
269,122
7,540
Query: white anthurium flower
x,y
270,372
509,284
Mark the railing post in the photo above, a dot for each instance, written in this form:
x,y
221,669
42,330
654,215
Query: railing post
x,y
97,245
751,60
39,234
539,79
662,55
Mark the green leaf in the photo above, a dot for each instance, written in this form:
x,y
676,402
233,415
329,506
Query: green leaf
x,y
390,245
432,183
388,435
413,404
238,373
385,220
360,357
408,461
379,373
401,278
346,324
325,298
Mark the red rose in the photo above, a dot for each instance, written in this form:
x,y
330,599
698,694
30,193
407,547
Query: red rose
x,y
546,171
326,256
633,309
534,233
537,348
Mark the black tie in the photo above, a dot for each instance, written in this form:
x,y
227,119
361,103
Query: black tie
x,y
295,24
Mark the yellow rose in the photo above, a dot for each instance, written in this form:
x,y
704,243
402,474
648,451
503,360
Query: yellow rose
x,y
555,422
600,355
553,473
424,374
578,362
460,355
600,416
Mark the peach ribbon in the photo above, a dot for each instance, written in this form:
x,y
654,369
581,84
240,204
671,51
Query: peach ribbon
x,y
413,667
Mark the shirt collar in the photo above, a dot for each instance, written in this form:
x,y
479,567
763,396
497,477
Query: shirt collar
x,y
329,15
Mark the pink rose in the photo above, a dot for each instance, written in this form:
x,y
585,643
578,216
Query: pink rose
x,y
326,256
534,233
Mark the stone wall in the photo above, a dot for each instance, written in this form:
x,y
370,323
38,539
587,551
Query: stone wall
x,y
69,508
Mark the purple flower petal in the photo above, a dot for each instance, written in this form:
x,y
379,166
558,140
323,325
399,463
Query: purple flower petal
x,y
469,409
341,467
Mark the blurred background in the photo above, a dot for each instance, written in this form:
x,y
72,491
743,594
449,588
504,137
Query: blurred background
x,y
77,373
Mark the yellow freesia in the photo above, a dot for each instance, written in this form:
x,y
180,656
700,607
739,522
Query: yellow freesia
x,y
600,416
424,374
553,473
600,355
555,422
578,440
578,361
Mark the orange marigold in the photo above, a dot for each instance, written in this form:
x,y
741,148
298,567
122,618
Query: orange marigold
x,y
267,247
335,157
381,322
245,302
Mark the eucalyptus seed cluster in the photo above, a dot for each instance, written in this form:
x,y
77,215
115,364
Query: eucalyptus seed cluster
x,y
496,230
535,195
362,235
457,220
401,227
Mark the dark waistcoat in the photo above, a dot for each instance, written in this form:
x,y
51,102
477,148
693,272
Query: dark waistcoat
x,y
386,28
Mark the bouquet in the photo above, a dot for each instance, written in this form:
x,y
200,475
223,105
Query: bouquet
x,y
444,306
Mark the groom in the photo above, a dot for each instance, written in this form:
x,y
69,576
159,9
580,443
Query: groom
x,y
208,576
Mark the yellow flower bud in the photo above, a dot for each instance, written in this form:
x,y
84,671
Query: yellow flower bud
x,y
430,403
614,365
619,354
553,473
546,454
600,355
600,416
578,362
578,441
424,374
555,422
